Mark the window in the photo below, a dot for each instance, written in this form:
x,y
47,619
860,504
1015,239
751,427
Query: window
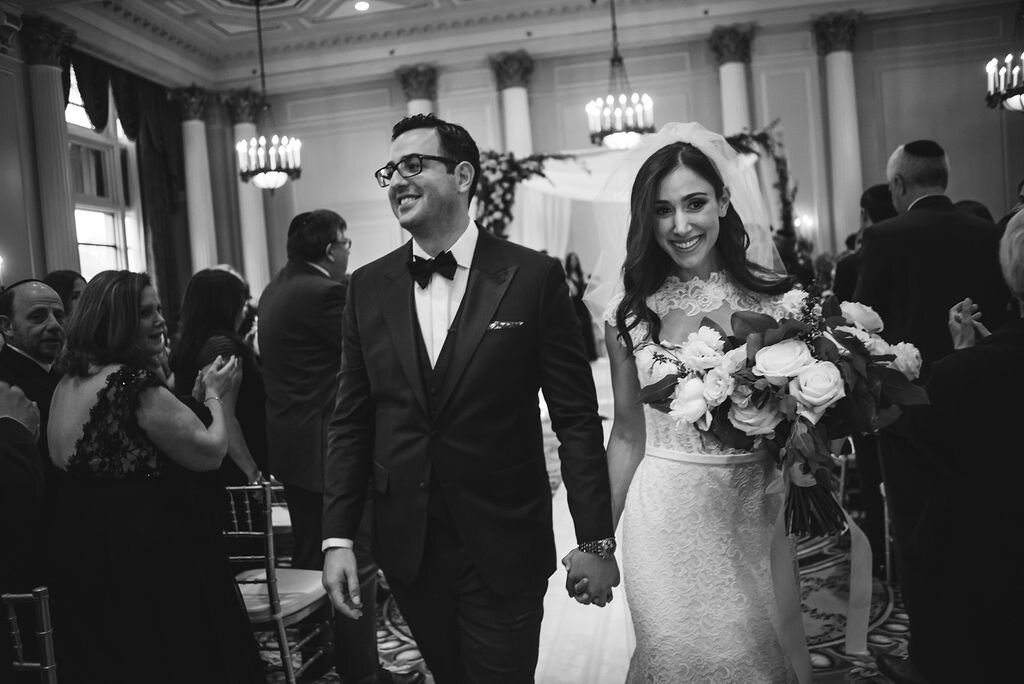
x,y
104,178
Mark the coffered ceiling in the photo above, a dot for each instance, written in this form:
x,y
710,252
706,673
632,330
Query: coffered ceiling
x,y
311,43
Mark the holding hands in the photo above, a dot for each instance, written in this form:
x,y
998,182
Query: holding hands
x,y
590,578
965,325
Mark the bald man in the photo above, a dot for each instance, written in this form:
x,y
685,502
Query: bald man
x,y
32,322
914,267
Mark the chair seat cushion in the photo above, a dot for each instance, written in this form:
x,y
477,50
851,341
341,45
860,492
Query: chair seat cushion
x,y
282,519
300,592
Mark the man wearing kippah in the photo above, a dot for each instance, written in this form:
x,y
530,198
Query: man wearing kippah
x,y
915,267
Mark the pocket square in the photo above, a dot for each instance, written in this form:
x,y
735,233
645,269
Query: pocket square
x,y
504,325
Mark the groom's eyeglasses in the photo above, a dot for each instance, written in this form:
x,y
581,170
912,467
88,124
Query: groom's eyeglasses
x,y
409,166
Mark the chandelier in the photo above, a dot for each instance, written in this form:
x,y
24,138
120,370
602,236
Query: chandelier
x,y
1006,82
267,160
618,119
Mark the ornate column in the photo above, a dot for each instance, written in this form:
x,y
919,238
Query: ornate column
x,y
419,83
835,35
243,106
9,27
731,45
43,42
202,230
512,71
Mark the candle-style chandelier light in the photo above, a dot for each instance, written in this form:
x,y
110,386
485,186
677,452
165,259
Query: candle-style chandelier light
x,y
618,119
1006,82
267,160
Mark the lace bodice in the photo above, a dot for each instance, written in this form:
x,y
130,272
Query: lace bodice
x,y
693,298
113,446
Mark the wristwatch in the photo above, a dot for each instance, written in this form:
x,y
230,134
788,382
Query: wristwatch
x,y
604,548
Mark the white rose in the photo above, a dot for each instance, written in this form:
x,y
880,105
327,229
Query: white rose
x,y
779,362
863,316
793,302
703,349
688,403
815,389
718,385
877,346
751,420
741,395
734,360
908,360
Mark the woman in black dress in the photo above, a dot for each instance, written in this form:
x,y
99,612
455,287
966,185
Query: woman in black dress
x,y
142,590
211,311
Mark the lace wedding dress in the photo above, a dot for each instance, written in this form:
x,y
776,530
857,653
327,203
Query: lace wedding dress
x,y
698,526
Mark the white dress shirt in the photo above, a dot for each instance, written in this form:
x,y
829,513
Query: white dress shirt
x,y
436,306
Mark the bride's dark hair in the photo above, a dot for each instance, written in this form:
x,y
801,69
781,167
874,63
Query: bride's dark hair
x,y
647,265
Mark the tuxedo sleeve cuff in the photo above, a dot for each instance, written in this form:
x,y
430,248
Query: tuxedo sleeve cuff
x,y
336,543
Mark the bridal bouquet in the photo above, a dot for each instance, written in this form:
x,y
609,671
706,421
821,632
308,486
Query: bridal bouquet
x,y
790,386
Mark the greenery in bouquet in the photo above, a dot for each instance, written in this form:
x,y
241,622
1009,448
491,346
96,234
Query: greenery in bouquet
x,y
500,173
790,386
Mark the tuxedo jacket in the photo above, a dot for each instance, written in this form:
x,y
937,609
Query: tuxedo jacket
x,y
473,436
300,351
914,267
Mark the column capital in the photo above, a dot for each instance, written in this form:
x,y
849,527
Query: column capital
x,y
731,43
836,31
419,81
512,69
243,105
9,27
44,40
192,100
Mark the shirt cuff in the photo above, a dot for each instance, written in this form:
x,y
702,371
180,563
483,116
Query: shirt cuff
x,y
336,543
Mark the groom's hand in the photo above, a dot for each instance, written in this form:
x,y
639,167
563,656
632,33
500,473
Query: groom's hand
x,y
341,580
590,578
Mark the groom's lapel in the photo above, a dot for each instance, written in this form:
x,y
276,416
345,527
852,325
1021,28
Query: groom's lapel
x,y
489,278
396,303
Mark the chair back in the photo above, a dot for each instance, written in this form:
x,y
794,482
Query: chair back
x,y
46,665
249,521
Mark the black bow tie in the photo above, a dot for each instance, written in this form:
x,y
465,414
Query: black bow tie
x,y
421,269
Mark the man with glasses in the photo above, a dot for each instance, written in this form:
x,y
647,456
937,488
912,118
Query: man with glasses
x,y
300,316
448,340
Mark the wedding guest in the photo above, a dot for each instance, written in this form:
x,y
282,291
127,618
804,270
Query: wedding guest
x,y
972,507
249,326
21,512
211,309
134,564
300,335
914,268
69,285
577,288
1015,208
974,207
875,205
448,341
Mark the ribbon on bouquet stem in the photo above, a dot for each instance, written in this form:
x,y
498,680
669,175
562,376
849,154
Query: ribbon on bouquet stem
x,y
785,580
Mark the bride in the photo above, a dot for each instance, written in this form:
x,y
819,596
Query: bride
x,y
708,571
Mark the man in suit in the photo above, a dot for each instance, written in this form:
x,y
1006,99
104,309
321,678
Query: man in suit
x,y
21,509
915,267
300,314
32,321
447,341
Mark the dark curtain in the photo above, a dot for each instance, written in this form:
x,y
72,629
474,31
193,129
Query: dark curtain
x,y
149,120
93,80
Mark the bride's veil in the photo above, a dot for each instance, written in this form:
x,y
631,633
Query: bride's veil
x,y
739,175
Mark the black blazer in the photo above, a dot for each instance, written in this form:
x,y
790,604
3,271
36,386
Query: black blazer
x,y
300,352
972,468
914,267
516,334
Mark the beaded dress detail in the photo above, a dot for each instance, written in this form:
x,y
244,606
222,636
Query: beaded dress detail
x,y
697,525
113,446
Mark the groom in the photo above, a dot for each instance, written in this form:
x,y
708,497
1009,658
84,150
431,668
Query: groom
x,y
447,341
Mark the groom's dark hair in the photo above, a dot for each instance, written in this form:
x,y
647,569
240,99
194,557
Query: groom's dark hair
x,y
456,142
